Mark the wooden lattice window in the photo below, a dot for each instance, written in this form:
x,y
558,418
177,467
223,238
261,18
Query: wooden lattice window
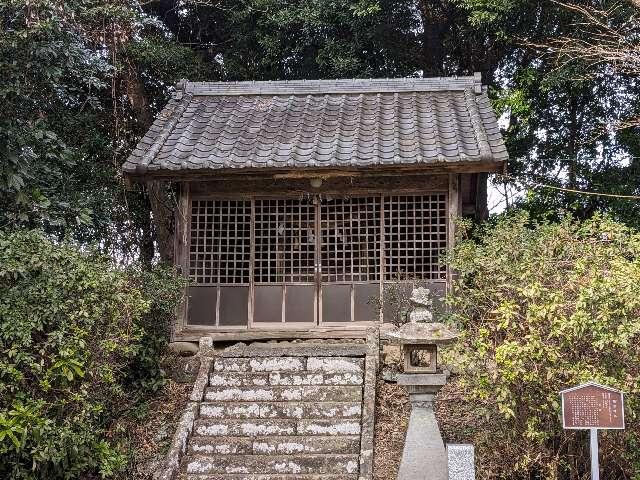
x,y
285,241
360,237
415,236
220,242
350,239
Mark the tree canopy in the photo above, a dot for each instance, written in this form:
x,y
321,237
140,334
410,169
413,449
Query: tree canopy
x,y
83,79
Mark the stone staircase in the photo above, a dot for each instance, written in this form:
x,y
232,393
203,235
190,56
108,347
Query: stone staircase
x,y
280,416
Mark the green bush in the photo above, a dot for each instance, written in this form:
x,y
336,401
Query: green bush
x,y
79,340
544,307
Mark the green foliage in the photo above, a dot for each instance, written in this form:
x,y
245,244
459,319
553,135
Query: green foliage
x,y
270,39
69,70
76,334
568,115
46,71
545,306
82,80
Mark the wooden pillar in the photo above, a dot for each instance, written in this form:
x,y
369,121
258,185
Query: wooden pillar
x,y
181,251
482,212
453,212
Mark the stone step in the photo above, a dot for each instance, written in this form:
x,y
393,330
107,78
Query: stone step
x,y
290,364
335,364
328,427
259,427
266,364
323,393
277,445
220,446
294,476
239,379
281,410
307,445
339,378
271,464
281,417
250,428
243,379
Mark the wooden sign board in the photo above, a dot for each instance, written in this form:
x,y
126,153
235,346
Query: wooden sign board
x,y
592,406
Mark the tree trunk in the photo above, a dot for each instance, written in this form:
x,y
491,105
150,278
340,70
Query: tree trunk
x,y
482,210
160,199
146,246
572,144
162,206
433,24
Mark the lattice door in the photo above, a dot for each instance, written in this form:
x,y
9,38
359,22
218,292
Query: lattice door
x,y
415,236
285,261
350,258
219,262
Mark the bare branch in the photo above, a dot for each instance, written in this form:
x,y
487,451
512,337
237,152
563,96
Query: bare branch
x,y
599,38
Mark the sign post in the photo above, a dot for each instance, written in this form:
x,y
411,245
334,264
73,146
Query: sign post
x,y
595,464
592,406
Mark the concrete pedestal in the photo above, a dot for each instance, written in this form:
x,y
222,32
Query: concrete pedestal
x,y
424,456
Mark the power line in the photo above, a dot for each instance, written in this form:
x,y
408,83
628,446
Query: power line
x,y
585,192
571,190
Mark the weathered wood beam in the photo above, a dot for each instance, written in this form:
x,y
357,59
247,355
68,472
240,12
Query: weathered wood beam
x,y
247,173
193,333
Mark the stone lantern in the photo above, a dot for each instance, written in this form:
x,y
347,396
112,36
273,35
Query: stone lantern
x,y
424,455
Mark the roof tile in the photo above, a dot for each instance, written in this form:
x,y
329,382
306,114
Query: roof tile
x,y
321,123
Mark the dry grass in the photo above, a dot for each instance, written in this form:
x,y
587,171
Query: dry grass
x,y
148,430
392,418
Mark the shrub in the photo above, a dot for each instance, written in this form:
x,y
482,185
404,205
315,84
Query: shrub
x,y
544,307
77,336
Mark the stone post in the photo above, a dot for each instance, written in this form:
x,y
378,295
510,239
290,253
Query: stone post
x,y
461,461
424,456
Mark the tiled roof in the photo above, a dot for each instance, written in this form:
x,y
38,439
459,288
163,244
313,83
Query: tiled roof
x,y
320,123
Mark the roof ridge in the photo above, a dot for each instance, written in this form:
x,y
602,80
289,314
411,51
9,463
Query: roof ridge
x,y
335,86
478,129
171,119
